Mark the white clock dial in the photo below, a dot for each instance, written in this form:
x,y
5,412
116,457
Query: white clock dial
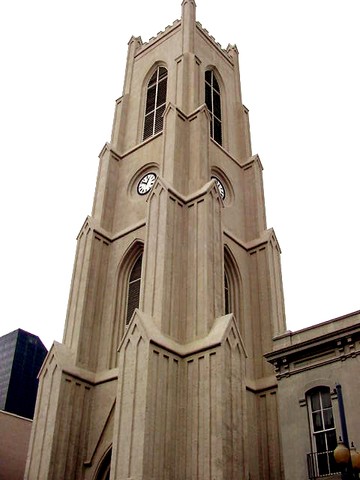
x,y
146,183
220,186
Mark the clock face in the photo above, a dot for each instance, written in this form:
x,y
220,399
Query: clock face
x,y
146,183
220,186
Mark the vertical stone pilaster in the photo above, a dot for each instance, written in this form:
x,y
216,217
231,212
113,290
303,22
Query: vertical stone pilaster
x,y
60,428
242,141
183,261
130,415
106,188
78,284
187,95
186,166
255,220
165,259
122,104
204,276
86,298
267,302
199,160
277,309
175,166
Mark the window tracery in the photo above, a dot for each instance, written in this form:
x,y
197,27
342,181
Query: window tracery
x,y
133,293
155,102
213,103
127,296
232,288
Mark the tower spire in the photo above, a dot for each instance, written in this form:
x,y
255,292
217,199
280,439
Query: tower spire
x,y
188,18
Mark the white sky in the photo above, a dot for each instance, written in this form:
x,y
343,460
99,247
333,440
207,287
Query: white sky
x,y
62,69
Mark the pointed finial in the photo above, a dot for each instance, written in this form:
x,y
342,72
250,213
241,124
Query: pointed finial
x,y
188,6
188,1
188,19
136,40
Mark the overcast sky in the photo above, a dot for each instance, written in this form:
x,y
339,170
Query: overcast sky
x,y
62,69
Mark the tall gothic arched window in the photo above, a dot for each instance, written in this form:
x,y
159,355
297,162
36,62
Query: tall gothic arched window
x,y
133,293
127,296
155,102
232,288
104,467
227,294
213,103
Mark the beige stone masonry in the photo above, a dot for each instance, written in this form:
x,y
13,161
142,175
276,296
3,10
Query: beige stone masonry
x,y
180,380
182,299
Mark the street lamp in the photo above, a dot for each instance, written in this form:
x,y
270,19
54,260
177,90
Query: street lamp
x,y
348,458
355,459
341,453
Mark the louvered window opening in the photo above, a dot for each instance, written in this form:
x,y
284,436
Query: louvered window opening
x,y
155,103
134,289
212,100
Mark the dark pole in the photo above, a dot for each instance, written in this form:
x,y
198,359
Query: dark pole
x,y
349,471
342,415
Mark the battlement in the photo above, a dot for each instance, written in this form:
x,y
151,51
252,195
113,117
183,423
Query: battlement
x,y
171,27
159,35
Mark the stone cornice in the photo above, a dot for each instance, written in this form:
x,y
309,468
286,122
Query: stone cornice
x,y
261,384
105,234
323,344
65,359
214,338
264,239
251,161
185,199
315,344
200,109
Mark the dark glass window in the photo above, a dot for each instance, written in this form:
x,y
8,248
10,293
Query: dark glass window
x,y
133,296
213,103
322,430
104,470
232,288
155,103
227,294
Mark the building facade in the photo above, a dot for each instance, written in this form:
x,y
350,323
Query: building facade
x,y
310,365
15,436
21,357
176,294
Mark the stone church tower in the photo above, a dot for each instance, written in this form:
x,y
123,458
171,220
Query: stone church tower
x,y
176,291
